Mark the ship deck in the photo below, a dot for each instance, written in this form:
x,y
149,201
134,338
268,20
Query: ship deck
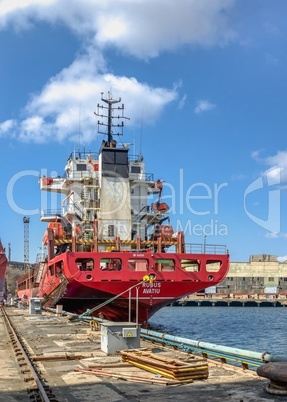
x,y
65,349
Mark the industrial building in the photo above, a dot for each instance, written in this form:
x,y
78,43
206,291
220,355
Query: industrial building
x,y
262,275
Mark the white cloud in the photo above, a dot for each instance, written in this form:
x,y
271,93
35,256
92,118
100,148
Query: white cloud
x,y
239,176
278,161
182,102
72,96
277,165
203,106
271,235
6,127
142,28
271,60
271,29
256,155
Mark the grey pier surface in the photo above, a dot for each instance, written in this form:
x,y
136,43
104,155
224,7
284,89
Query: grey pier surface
x,y
63,347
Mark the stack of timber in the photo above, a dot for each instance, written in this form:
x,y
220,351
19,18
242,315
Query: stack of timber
x,y
193,369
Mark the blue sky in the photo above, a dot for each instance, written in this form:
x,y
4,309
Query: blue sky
x,y
203,82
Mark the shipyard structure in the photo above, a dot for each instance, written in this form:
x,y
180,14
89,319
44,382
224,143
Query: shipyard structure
x,y
262,275
260,282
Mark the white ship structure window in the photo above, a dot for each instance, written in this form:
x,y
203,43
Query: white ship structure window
x,y
135,169
111,230
81,167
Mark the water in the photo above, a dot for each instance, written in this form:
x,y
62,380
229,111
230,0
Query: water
x,y
259,329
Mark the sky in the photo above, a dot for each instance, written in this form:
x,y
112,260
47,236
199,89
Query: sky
x,y
203,83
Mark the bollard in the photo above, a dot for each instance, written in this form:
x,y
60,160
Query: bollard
x,y
276,372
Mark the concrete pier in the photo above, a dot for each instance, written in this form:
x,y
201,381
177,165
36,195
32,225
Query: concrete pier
x,y
65,351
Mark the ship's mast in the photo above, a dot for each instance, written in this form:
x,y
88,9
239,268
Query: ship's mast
x,y
110,116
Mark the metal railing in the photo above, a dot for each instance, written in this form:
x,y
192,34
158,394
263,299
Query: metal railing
x,y
205,248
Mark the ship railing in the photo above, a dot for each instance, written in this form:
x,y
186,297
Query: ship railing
x,y
84,155
170,245
47,213
149,177
72,208
195,248
81,174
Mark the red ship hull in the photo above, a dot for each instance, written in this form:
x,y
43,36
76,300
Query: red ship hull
x,y
128,294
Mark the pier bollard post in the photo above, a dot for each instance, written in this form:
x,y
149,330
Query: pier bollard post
x,y
276,372
59,309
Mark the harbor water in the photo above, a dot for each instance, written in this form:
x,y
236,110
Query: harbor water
x,y
260,329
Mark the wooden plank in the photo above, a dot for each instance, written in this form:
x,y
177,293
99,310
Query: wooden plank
x,y
168,367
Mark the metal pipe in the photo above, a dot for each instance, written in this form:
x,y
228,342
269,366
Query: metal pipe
x,y
270,358
206,346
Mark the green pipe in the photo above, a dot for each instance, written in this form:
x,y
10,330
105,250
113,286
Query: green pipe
x,y
211,347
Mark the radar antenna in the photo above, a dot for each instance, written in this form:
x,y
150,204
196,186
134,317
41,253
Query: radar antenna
x,y
110,116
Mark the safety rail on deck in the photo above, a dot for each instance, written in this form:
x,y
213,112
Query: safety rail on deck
x,y
83,155
170,244
92,174
51,212
205,248
190,248
95,155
